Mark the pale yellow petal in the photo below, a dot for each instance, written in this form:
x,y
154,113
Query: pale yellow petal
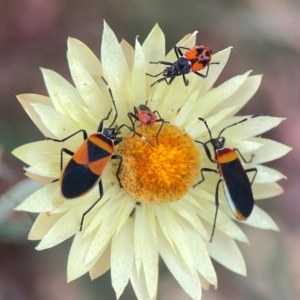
x,y
128,53
271,150
249,145
186,277
102,265
154,50
260,219
215,96
43,200
197,128
43,223
51,169
138,282
107,207
164,225
86,58
215,70
183,116
241,96
224,224
112,56
63,229
125,209
200,254
188,212
266,190
26,101
154,45
60,125
68,204
138,78
39,179
173,101
76,267
103,236
138,237
96,102
249,128
266,174
37,152
173,225
122,253
187,41
204,283
225,251
150,258
67,99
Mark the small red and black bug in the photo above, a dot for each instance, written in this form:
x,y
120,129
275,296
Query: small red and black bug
x,y
237,185
147,117
194,60
84,169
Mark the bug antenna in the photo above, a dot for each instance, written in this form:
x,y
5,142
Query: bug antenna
x,y
113,101
204,121
234,124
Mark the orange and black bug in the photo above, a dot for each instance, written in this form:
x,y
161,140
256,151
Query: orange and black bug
x,y
147,117
237,185
84,169
194,60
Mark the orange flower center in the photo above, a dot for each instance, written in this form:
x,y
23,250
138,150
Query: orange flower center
x,y
160,174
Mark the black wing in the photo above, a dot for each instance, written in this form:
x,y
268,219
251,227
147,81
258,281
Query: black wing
x,y
77,180
238,187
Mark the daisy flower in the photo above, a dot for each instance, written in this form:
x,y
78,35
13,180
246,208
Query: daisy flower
x,y
157,213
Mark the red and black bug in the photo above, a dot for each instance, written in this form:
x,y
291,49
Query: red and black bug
x,y
84,169
194,60
147,117
237,185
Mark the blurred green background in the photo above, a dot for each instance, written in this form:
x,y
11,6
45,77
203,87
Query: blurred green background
x,y
266,38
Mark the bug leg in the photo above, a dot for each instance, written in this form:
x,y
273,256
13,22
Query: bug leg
x,y
178,48
203,178
101,195
114,104
186,82
162,79
138,134
170,81
161,62
118,170
130,116
242,157
100,127
206,150
178,52
160,128
159,120
217,208
202,75
67,151
205,75
252,170
68,137
154,75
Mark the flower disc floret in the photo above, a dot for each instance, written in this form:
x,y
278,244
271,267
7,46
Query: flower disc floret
x,y
160,174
